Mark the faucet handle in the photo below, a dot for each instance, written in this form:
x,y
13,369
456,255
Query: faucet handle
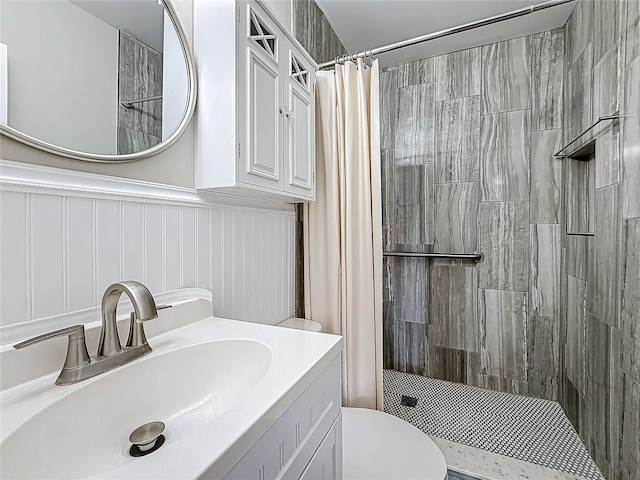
x,y
136,329
77,354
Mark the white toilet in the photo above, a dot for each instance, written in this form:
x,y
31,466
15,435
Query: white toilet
x,y
379,446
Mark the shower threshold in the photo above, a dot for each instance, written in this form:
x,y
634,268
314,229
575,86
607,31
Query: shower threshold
x,y
490,435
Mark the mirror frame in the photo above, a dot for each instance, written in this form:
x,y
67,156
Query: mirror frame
x,y
129,157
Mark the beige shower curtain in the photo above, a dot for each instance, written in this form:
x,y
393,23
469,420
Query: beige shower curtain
x,y
342,229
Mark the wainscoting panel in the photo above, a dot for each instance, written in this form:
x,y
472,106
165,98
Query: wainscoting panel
x,y
67,236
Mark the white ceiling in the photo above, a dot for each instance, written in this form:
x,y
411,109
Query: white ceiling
x,y
142,19
363,24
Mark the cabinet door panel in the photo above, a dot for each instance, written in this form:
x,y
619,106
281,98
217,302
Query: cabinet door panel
x,y
263,122
299,126
326,463
260,99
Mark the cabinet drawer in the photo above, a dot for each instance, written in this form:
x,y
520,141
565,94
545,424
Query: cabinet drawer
x,y
286,448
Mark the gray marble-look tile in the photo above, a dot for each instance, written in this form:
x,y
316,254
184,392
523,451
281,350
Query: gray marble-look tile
x,y
631,140
408,347
454,365
506,76
454,302
580,196
503,384
414,136
140,83
387,168
604,272
543,356
572,401
456,217
416,72
131,141
414,204
608,91
616,403
632,13
387,334
458,140
630,441
458,74
607,159
575,343
577,255
388,86
302,23
153,110
410,290
126,59
578,98
607,25
547,55
630,292
313,31
633,31
504,156
504,240
597,385
607,80
502,319
546,177
578,30
544,286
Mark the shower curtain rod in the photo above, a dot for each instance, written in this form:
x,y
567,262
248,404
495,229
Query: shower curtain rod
x,y
444,33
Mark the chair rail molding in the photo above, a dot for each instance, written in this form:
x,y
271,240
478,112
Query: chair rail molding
x,y
29,178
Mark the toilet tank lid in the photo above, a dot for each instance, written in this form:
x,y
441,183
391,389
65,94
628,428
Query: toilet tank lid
x,y
301,324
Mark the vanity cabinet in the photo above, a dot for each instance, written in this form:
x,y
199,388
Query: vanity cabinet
x,y
255,114
305,442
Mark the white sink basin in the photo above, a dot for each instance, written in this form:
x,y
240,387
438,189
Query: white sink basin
x,y
87,431
217,384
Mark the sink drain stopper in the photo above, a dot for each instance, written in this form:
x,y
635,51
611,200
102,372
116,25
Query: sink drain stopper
x,y
146,439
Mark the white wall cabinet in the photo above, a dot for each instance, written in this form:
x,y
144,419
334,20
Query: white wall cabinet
x,y
255,113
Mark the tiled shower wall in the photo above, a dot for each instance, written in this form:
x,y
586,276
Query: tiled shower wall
x,y
314,32
139,76
601,236
467,140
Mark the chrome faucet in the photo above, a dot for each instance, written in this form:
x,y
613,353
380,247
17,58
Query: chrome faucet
x,y
143,304
78,364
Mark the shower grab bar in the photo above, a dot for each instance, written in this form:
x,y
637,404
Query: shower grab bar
x,y
559,154
129,103
476,257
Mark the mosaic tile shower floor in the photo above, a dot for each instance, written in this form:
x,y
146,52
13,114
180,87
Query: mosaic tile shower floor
x,y
524,428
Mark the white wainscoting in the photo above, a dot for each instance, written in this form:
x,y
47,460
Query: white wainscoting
x,y
65,236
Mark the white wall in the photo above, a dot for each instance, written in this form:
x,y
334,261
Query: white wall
x,y
65,237
60,244
63,74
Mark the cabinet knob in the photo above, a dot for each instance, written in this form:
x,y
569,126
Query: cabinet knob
x,y
287,113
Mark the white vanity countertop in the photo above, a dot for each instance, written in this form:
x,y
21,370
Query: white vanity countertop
x,y
298,357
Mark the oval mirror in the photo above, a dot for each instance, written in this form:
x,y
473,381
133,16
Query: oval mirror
x,y
97,80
